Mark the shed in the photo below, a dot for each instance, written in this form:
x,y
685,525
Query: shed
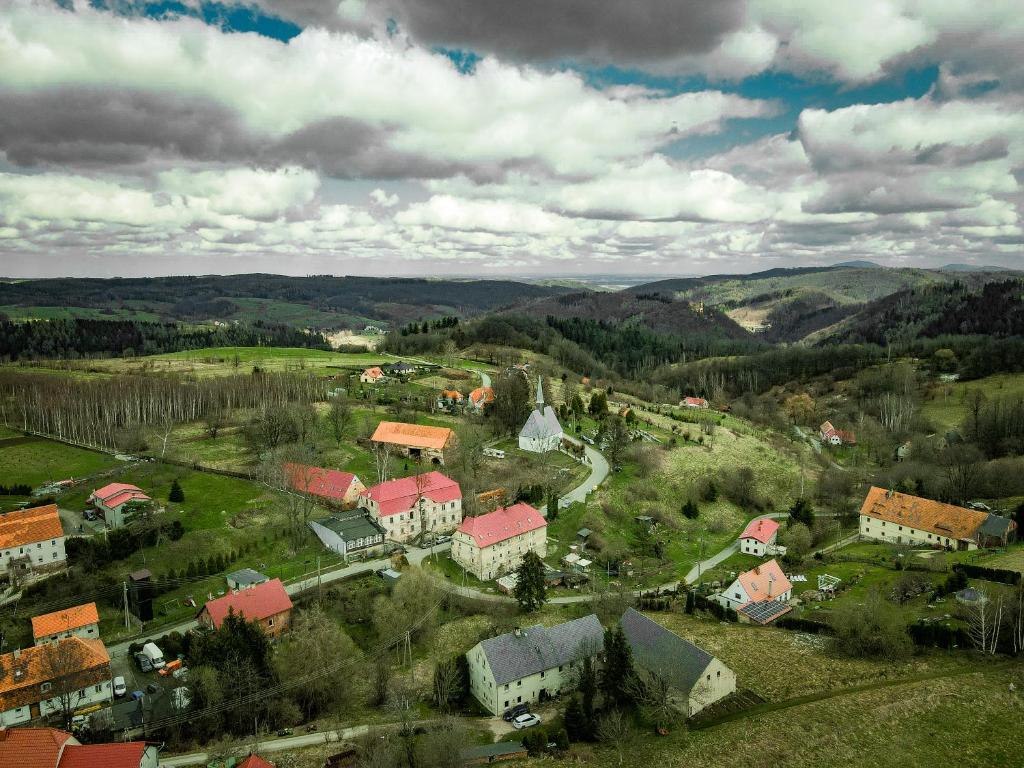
x,y
583,534
390,575
245,578
485,754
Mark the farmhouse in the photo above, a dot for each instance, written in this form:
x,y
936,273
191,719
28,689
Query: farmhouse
x,y
51,748
81,621
542,432
372,375
493,544
481,397
532,664
762,584
42,680
117,501
410,506
832,436
900,518
267,604
698,677
415,440
450,398
31,542
400,369
335,486
759,537
350,533
694,402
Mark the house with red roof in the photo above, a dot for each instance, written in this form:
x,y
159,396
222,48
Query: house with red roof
x,y
332,485
480,398
759,537
255,761
268,604
832,436
31,542
694,402
494,544
52,748
80,621
427,503
372,375
116,502
450,399
765,584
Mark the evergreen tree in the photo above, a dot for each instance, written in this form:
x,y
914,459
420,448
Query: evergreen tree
x,y
617,672
575,720
691,601
530,590
552,506
690,510
588,692
801,512
177,495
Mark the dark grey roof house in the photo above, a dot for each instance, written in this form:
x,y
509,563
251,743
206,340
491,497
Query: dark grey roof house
x,y
349,532
691,671
997,531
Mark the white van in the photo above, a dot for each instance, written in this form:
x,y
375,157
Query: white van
x,y
154,654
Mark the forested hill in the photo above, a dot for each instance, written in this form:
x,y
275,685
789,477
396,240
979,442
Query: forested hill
x,y
995,310
318,301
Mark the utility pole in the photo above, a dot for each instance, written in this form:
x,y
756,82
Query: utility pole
x,y
700,555
319,583
127,620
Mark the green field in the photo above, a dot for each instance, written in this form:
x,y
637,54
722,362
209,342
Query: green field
x,y
946,405
15,312
43,461
300,315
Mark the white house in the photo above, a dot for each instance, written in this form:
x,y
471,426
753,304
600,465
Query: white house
x,y
116,501
80,621
38,681
533,664
759,537
372,375
349,533
427,503
31,542
763,584
899,518
698,678
542,432
491,545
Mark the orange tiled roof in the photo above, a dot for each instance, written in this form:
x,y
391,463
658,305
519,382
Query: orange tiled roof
x,y
947,520
765,582
412,435
32,747
64,620
451,394
21,676
28,526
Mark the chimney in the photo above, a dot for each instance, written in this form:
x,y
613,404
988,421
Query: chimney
x,y
771,580
517,632
16,653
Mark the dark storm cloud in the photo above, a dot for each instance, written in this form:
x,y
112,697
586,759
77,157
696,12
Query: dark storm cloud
x,y
623,32
90,128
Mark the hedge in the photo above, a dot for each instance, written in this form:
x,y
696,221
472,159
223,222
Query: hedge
x,y
988,574
804,625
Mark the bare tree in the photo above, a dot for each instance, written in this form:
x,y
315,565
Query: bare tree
x,y
65,667
614,729
895,412
166,427
653,693
290,472
1016,614
381,680
442,745
215,421
448,684
382,460
339,417
984,617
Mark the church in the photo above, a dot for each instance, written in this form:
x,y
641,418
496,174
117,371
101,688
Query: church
x,y
542,432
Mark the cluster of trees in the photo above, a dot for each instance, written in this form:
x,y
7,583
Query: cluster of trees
x,y
108,412
429,325
82,337
92,553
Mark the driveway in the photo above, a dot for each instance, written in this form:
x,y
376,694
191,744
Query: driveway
x,y
598,472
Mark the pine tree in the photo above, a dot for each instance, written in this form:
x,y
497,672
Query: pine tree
x,y
530,590
691,601
552,506
588,692
575,720
801,512
177,495
690,510
617,672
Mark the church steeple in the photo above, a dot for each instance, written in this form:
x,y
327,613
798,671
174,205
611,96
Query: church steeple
x,y
540,395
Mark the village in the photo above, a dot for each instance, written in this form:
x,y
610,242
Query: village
x,y
398,523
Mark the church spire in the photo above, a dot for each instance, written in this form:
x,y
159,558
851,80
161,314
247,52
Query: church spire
x,y
540,395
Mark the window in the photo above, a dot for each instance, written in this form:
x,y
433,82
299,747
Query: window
x,y
519,683
506,686
270,622
45,687
709,677
718,673
519,699
99,688
506,703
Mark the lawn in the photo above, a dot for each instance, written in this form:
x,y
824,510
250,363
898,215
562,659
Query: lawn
x,y
15,312
946,405
42,461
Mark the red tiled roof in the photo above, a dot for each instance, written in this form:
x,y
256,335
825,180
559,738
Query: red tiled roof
x,y
503,523
396,496
762,530
412,435
64,620
946,520
374,373
826,429
31,747
482,395
318,481
451,394
116,494
765,582
254,761
28,526
121,755
700,401
20,676
259,602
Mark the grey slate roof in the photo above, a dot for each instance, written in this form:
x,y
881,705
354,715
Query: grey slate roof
x,y
542,425
247,577
540,648
995,525
664,653
353,525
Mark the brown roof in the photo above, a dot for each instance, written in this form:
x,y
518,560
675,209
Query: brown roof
x,y
28,526
412,435
947,520
86,662
64,620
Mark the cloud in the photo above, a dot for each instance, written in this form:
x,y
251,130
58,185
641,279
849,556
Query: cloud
x,y
383,199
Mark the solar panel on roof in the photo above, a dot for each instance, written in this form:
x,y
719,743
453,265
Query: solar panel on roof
x,y
764,610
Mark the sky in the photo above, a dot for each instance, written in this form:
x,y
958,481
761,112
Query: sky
x,y
490,138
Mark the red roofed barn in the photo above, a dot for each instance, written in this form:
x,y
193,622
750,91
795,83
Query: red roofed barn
x,y
330,484
430,502
267,604
489,545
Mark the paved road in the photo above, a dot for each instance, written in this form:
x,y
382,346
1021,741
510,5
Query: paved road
x,y
273,745
415,555
598,472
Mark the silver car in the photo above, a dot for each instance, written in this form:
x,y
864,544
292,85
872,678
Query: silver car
x,y
525,721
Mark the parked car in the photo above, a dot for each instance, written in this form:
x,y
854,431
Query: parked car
x,y
137,695
180,674
525,721
514,712
120,688
285,732
152,688
145,665
443,539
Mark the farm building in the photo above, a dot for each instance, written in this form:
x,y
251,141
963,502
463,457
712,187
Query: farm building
x,y
350,533
81,621
342,488
373,375
415,440
695,675
832,436
694,402
268,604
481,397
